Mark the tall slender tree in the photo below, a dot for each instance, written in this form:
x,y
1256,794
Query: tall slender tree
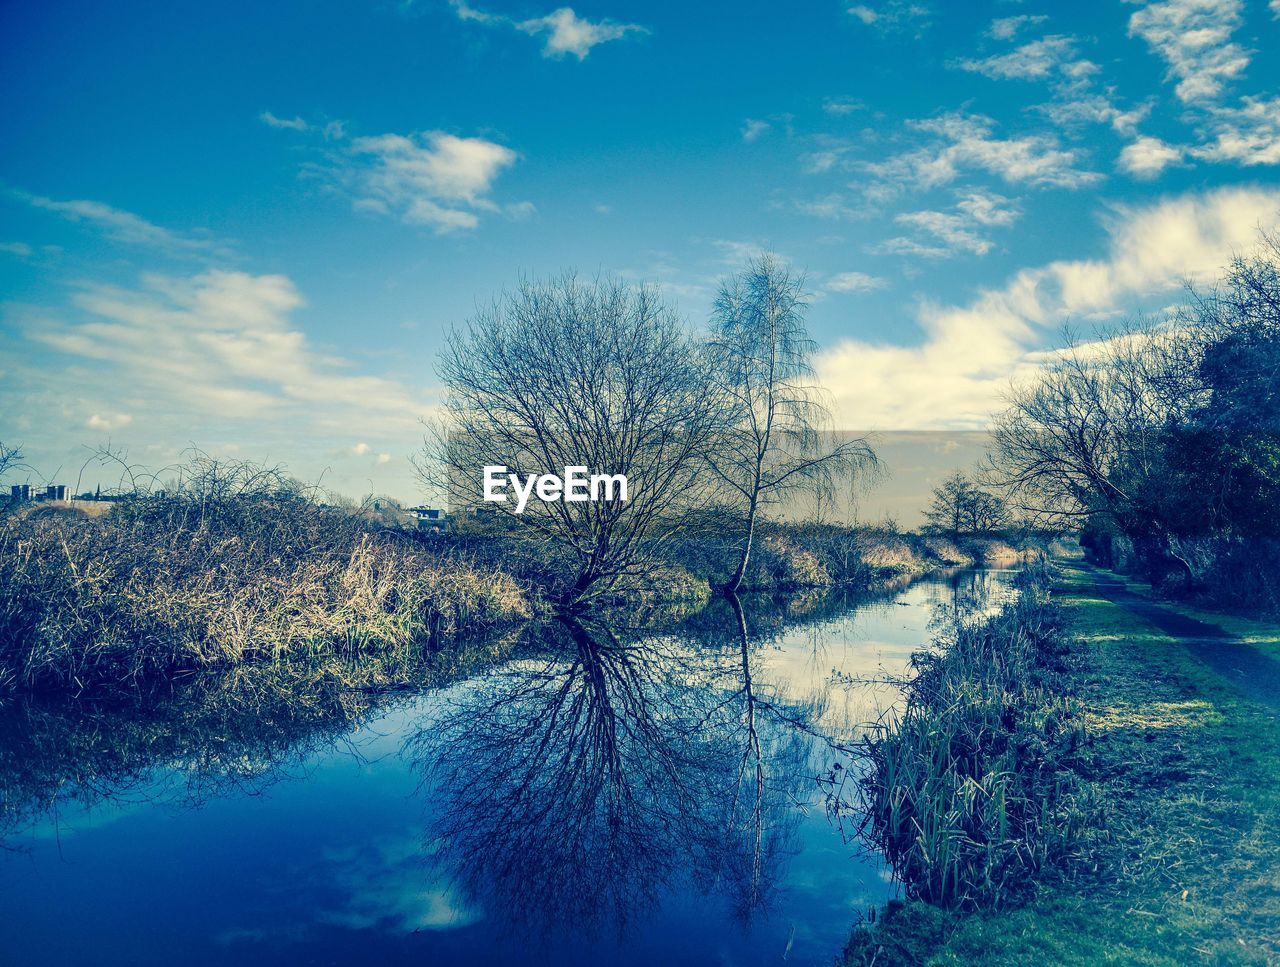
x,y
775,438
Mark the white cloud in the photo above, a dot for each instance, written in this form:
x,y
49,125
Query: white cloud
x,y
968,142
289,124
954,232
754,129
108,421
330,130
1248,135
830,206
1033,61
970,352
1076,106
217,346
1147,157
951,229
1194,39
892,15
988,208
567,33
360,449
737,253
121,225
384,458
1006,28
21,249
854,282
564,32
841,106
905,245
434,179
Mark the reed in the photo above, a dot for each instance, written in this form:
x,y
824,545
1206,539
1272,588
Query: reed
x,y
970,791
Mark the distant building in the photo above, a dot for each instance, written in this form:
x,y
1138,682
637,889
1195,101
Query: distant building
x,y
429,518
23,493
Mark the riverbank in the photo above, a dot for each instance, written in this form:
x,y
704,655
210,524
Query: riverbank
x,y
162,589
1186,769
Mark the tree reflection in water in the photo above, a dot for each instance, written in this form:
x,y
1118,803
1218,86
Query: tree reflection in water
x,y
574,789
602,776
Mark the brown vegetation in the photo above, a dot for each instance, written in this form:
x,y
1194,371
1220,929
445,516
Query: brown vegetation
x,y
165,587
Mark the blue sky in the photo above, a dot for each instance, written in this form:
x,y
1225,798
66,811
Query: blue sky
x,y
247,226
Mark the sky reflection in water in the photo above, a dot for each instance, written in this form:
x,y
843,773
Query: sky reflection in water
x,y
606,794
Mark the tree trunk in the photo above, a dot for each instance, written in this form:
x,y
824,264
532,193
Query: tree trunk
x,y
735,582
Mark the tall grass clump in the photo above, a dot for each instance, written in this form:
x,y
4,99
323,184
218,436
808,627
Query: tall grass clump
x,y
970,792
215,576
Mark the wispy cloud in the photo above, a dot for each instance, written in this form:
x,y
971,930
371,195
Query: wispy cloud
x,y
1036,60
106,422
332,130
969,142
435,179
841,106
736,253
942,234
754,129
216,347
563,32
123,226
988,208
1006,28
854,282
289,124
1194,37
893,15
1247,134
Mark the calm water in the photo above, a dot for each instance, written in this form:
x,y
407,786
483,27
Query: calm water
x,y
602,795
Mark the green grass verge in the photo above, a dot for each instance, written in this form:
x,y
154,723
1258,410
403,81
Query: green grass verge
x,y
1190,775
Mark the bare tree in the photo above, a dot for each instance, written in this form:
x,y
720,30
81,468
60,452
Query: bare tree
x,y
960,506
10,458
773,441
1085,440
568,373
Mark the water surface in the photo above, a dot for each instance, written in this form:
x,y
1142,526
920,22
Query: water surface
x,y
602,794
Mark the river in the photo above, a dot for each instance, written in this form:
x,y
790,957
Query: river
x,y
599,795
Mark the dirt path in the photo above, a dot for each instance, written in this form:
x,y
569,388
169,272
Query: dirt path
x,y
1252,673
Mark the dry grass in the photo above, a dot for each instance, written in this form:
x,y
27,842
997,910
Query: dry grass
x,y
163,587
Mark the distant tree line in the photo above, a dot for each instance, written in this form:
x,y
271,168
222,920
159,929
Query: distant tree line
x,y
961,507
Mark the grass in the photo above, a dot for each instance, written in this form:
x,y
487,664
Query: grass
x,y
970,792
1189,775
1251,630
165,588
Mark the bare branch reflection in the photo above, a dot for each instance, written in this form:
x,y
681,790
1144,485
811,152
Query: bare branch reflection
x,y
575,788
